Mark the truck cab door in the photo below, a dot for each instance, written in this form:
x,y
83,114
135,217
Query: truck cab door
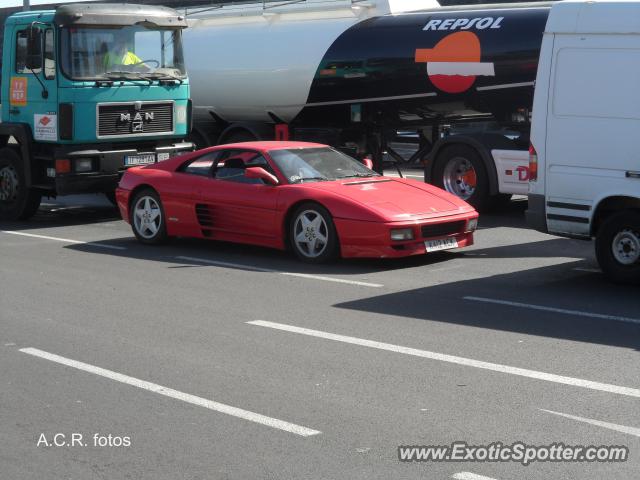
x,y
33,93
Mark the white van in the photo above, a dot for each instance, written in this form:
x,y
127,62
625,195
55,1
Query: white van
x,y
585,133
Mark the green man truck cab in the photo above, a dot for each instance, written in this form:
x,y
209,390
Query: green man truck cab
x,y
88,90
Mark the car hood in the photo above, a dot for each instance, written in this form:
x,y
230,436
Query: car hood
x,y
396,199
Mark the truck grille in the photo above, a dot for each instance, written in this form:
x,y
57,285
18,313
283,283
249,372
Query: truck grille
x,y
124,119
442,229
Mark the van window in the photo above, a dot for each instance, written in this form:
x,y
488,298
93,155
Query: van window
x,y
597,82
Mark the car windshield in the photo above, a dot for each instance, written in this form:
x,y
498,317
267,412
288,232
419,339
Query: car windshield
x,y
301,165
122,53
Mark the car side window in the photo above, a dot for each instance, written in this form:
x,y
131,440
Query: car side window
x,y
232,164
201,165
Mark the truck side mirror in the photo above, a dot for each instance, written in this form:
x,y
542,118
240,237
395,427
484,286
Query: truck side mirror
x,y
34,48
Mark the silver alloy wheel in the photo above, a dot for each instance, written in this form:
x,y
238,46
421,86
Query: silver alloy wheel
x,y
9,184
626,247
147,217
459,177
311,233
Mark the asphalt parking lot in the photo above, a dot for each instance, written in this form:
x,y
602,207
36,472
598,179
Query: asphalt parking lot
x,y
220,361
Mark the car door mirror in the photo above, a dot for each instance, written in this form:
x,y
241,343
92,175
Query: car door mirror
x,y
262,174
34,48
368,163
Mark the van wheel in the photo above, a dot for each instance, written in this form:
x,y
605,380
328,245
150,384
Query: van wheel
x,y
618,247
17,202
460,171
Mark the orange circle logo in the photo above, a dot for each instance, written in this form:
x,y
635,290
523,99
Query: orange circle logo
x,y
454,62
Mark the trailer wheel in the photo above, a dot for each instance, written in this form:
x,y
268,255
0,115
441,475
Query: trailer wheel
x,y
17,202
618,247
459,170
239,137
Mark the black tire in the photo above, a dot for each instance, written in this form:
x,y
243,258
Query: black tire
x,y
500,200
240,136
198,139
480,199
111,196
17,202
323,253
142,230
621,231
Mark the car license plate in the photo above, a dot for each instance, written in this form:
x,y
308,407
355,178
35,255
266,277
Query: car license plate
x,y
143,159
440,244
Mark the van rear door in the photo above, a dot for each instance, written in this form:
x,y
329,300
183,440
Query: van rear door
x,y
593,127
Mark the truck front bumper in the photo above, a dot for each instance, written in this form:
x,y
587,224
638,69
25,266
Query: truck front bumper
x,y
107,167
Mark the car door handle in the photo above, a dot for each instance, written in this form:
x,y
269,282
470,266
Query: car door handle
x,y
632,174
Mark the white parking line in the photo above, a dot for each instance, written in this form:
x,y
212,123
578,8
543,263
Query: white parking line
x,y
468,362
169,392
555,310
64,240
268,270
611,426
470,476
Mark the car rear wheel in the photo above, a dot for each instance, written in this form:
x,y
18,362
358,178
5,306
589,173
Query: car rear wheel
x,y
147,218
312,234
618,247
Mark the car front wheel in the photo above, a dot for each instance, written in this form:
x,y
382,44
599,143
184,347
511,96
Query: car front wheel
x,y
312,234
618,247
147,218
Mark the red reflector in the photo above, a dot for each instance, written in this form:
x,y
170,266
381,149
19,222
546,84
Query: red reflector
x,y
533,163
63,166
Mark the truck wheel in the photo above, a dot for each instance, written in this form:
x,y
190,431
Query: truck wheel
x,y
147,218
111,196
240,136
618,247
460,171
17,202
312,234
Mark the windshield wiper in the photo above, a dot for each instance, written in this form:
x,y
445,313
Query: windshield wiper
x,y
121,75
300,180
166,75
360,175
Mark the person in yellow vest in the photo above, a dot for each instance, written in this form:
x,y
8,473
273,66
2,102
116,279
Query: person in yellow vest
x,y
120,55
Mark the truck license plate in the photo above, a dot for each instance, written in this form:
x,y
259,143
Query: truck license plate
x,y
440,244
143,159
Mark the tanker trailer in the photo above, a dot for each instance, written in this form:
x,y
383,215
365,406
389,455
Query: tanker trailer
x,y
352,74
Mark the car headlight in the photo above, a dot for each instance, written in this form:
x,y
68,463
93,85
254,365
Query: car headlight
x,y
402,234
472,224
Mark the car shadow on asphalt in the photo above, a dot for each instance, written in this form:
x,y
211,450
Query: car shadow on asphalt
x,y
468,303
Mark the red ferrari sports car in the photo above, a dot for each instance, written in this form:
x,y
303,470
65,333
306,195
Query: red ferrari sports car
x,y
316,200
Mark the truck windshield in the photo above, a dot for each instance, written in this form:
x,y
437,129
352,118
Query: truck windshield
x,y
122,53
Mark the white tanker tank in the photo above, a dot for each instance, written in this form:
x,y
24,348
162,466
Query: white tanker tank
x,y
351,73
